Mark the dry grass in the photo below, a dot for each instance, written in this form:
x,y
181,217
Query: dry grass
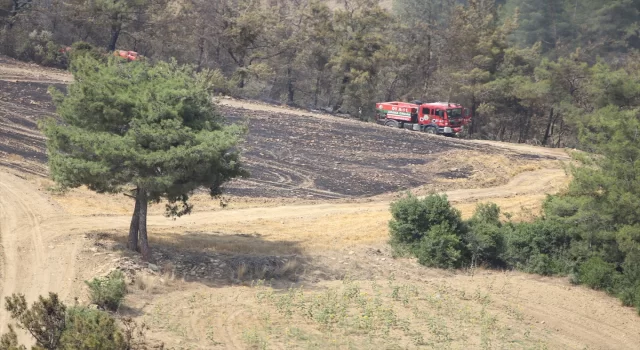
x,y
486,310
384,314
163,282
14,158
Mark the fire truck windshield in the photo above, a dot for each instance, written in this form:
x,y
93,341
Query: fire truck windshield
x,y
454,113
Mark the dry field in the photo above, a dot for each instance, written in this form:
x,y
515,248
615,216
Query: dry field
x,y
298,258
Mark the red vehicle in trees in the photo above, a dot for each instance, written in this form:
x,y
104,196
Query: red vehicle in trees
x,y
434,117
129,55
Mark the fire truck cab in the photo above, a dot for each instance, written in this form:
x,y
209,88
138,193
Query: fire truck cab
x,y
434,117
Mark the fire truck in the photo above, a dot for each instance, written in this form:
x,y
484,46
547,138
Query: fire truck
x,y
434,117
128,55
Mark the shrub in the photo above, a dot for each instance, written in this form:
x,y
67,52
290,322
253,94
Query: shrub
x,y
486,213
109,291
44,320
541,264
598,274
40,48
90,329
413,217
81,49
441,247
485,242
9,341
541,247
630,296
56,327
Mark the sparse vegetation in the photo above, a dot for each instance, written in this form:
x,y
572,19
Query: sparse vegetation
x,y
363,315
54,326
108,292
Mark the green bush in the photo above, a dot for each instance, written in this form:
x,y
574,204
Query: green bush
x,y
431,229
486,213
630,296
541,247
44,320
485,242
412,217
41,49
598,274
9,341
81,49
109,291
570,239
441,247
90,329
55,326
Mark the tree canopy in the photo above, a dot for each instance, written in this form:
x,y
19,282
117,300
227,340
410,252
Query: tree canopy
x,y
148,129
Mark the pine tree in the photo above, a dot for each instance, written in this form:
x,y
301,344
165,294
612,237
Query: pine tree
x,y
151,130
544,21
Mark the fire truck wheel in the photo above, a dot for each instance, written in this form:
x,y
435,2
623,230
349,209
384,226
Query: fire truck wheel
x,y
430,130
392,123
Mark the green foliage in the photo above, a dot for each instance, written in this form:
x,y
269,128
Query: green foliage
x,y
441,246
597,274
89,329
108,292
486,213
153,128
44,320
539,247
9,341
430,228
41,49
81,49
414,217
56,327
485,242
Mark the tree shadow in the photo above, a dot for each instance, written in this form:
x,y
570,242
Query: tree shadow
x,y
218,259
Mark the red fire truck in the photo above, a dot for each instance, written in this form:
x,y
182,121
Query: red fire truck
x,y
434,117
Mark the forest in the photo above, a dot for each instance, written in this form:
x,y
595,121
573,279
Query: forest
x,y
530,71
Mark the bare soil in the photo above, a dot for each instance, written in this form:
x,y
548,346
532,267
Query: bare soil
x,y
313,216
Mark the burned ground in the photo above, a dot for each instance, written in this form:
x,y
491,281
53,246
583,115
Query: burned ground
x,y
288,156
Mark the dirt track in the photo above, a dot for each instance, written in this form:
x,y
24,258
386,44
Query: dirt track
x,y
44,249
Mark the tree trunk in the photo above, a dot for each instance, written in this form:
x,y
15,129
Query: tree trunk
x,y
200,53
316,92
135,222
560,132
142,227
473,128
547,133
290,91
115,33
343,88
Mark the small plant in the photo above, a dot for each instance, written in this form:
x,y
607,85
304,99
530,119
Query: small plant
x,y
44,320
254,339
108,292
91,329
